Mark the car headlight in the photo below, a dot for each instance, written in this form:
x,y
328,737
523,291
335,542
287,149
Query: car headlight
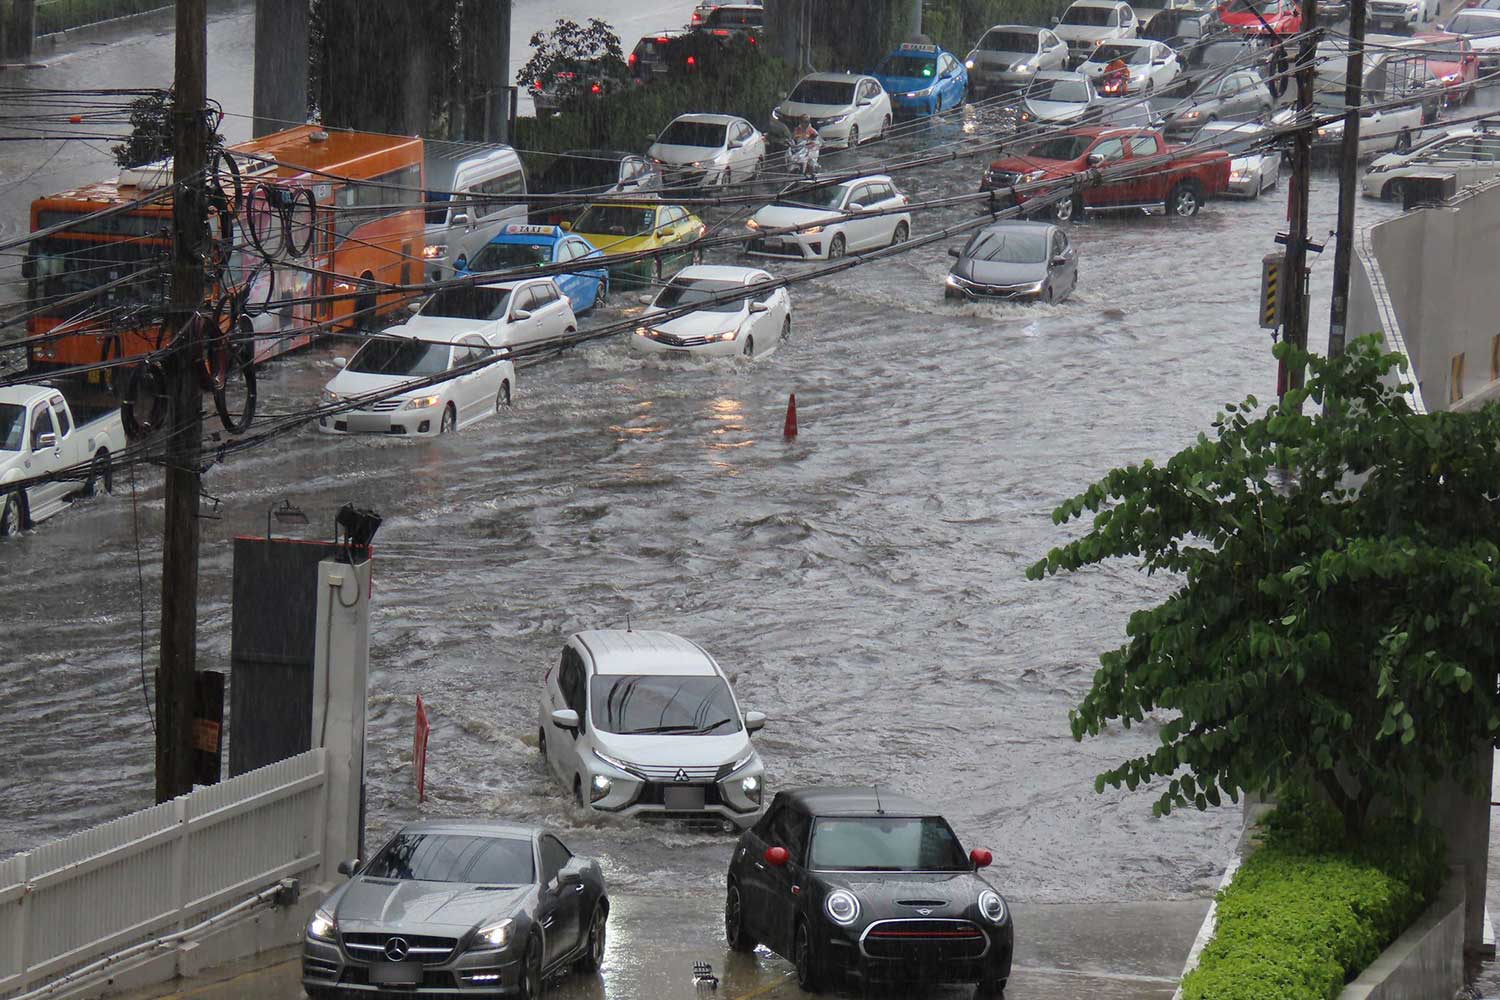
x,y
1378,168
1033,175
1191,116
752,224
322,926
643,331
969,62
434,251
494,937
812,230
422,402
751,786
615,761
776,114
992,907
1022,67
327,397
924,92
599,787
842,907
835,120
954,281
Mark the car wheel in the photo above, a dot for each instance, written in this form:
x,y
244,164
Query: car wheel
x,y
541,743
1047,295
1395,191
578,791
809,973
759,166
1184,201
786,329
450,420
462,264
726,177
903,231
990,989
749,351
593,955
735,934
1068,210
885,126
853,137
502,398
100,471
365,305
601,297
13,513
836,246
532,983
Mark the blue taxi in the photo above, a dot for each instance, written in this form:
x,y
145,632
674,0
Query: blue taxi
x,y
922,79
518,246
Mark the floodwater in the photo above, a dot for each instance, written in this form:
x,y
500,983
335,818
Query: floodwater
x,y
863,583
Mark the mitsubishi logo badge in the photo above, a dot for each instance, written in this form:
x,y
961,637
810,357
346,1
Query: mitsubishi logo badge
x,y
681,775
396,949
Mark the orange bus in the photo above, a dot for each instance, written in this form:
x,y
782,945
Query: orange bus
x,y
370,226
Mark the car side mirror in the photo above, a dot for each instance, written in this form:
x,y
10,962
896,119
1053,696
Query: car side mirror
x,y
571,874
461,219
413,307
736,144
45,441
348,868
1056,20
650,136
520,314
565,718
955,252
755,721
856,207
340,362
1059,258
646,299
981,858
565,226
777,857
760,307
1096,159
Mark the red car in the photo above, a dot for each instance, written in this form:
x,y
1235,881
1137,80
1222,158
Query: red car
x,y
1457,73
1284,17
1180,182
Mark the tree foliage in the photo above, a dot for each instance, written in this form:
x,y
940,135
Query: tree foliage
x,y
1334,624
150,136
591,54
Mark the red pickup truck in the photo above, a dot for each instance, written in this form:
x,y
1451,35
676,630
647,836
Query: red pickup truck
x,y
1181,182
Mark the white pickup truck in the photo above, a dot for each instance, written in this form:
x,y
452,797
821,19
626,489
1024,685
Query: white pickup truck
x,y
40,435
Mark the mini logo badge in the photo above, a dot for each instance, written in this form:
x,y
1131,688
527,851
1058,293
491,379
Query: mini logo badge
x,y
925,912
396,949
681,775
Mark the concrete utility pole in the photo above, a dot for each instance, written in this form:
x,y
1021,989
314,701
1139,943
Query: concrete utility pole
x,y
1296,319
280,64
1343,254
916,18
177,672
17,29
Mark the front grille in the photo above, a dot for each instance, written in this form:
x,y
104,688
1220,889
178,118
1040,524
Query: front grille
x,y
423,948
673,340
355,975
925,942
668,772
1388,8
381,406
1003,178
653,793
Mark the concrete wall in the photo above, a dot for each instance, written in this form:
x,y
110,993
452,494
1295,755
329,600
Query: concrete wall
x,y
1427,281
1426,962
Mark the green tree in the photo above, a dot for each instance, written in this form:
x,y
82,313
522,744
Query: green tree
x,y
592,55
1335,623
150,131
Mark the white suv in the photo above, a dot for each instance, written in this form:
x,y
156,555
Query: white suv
x,y
1088,23
643,723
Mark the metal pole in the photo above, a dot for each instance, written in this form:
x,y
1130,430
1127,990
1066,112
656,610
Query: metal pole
x,y
1296,320
916,18
179,560
1343,254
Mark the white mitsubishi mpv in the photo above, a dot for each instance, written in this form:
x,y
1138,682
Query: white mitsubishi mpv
x,y
645,724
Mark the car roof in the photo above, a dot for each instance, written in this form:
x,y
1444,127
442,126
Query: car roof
x,y
473,827
517,232
1110,4
645,651
1059,74
707,118
1021,224
1030,29
856,800
1135,43
721,272
836,77
641,203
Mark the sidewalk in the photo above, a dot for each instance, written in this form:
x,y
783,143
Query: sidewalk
x,y
1118,951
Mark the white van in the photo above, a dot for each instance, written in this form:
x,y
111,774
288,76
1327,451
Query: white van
x,y
460,219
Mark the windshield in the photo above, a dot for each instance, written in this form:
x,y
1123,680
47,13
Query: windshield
x,y
1474,24
1220,54
569,173
467,303
923,66
1135,55
12,423
1251,6
1008,41
1170,24
678,706
502,256
821,197
1064,147
823,92
1235,142
61,267
399,357
437,207
885,844
446,857
616,220
1091,17
1008,246
1067,91
681,133
722,18
688,291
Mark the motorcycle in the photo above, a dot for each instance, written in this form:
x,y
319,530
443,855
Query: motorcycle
x,y
802,156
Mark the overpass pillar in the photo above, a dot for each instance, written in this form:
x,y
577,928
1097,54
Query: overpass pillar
x,y
17,29
280,64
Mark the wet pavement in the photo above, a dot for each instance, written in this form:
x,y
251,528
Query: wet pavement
x,y
1128,951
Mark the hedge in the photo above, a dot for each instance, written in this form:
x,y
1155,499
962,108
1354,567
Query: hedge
x,y
1307,912
63,15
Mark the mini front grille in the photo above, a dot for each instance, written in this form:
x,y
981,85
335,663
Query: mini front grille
x,y
922,902
925,941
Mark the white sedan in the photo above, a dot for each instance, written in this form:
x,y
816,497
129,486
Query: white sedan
x,y
753,326
506,314
875,203
1151,65
846,109
708,150
418,380
1255,166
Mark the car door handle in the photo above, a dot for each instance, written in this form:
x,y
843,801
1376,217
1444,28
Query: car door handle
x,y
761,865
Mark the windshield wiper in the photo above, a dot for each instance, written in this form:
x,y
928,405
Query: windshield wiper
x,y
661,729
712,726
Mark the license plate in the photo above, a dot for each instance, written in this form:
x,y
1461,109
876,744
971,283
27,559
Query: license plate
x,y
774,244
396,973
685,799
369,423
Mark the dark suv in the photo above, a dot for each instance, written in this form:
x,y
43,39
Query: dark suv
x,y
868,883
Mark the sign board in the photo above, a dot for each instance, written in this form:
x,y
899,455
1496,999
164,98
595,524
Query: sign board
x,y
419,750
1270,290
208,727
517,229
931,50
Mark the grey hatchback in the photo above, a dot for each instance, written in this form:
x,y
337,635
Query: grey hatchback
x,y
1014,260
467,908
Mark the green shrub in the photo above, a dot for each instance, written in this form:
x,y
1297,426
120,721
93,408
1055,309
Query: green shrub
x,y
1308,911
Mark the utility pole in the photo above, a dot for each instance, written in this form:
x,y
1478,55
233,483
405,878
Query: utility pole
x,y
1295,278
1343,254
177,671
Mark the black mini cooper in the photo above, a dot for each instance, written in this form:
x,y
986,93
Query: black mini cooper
x,y
870,883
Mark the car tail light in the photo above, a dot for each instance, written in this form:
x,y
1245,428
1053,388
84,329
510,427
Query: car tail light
x,y
596,89
722,32
634,60
692,61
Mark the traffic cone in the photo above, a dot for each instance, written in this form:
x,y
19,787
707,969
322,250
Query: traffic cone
x,y
790,430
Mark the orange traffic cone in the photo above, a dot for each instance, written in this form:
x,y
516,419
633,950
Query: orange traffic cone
x,y
790,430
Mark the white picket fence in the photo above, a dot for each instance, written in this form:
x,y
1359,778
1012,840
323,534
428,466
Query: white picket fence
x,y
90,895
